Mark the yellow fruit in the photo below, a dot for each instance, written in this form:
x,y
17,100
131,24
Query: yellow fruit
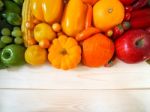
x,y
35,55
43,31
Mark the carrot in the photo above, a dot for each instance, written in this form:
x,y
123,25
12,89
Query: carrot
x,y
87,33
88,20
91,2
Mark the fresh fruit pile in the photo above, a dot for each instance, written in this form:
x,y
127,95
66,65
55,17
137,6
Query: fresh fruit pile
x,y
69,32
11,42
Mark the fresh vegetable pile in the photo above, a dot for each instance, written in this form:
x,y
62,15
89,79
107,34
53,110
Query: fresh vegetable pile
x,y
11,41
69,32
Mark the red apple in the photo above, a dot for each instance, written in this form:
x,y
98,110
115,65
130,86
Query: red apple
x,y
148,29
133,46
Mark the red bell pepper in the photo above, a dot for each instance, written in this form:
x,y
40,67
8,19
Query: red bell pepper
x,y
127,2
140,22
140,3
140,13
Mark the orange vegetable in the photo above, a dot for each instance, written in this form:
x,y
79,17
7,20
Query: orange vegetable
x,y
44,43
73,20
47,10
56,27
87,33
91,2
64,53
107,14
89,16
97,50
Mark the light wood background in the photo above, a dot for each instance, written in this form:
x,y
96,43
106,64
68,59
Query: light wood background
x,y
121,88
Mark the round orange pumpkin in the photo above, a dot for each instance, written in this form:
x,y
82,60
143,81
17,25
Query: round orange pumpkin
x,y
64,53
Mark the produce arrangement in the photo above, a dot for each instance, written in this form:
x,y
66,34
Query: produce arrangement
x,y
69,32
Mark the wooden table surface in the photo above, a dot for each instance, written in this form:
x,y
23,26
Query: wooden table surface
x,y
121,88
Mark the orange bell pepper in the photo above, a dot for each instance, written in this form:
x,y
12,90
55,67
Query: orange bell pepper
x,y
73,20
49,11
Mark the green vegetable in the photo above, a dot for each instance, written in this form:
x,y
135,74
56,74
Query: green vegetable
x,y
2,45
19,2
16,28
13,55
1,5
5,32
2,65
18,40
12,7
16,33
13,18
4,24
6,39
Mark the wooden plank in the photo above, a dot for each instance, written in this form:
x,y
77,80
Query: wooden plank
x,y
74,101
120,76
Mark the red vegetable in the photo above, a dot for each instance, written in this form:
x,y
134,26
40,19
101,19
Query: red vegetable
x,y
140,13
140,22
127,16
140,3
127,2
126,25
128,8
118,30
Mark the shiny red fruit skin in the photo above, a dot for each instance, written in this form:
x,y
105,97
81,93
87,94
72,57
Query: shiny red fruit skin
x,y
126,49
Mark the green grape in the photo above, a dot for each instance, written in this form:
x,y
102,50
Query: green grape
x,y
2,45
6,39
16,33
5,32
16,28
18,40
1,5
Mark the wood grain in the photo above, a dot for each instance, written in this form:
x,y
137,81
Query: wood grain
x,y
74,101
120,76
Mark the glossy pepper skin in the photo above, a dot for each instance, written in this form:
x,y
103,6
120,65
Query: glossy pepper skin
x,y
47,10
73,20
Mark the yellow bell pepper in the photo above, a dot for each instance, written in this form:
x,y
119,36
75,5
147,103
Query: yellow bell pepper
x,y
49,11
73,20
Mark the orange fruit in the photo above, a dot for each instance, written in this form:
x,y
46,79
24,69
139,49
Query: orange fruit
x,y
97,50
43,31
56,27
44,43
107,14
35,55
